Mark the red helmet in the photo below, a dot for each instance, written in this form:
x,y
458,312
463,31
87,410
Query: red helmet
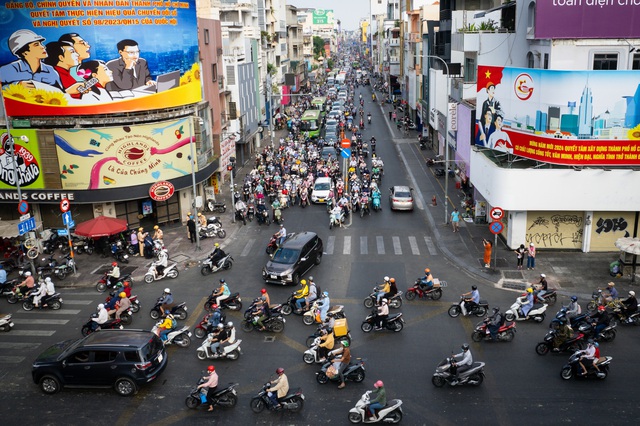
x,y
601,308
263,291
114,264
279,371
211,369
214,306
378,384
126,284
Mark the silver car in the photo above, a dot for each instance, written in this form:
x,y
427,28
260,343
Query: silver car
x,y
401,198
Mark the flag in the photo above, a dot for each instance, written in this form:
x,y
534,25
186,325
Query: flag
x,y
488,76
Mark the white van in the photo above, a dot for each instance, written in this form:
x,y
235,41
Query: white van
x,y
321,189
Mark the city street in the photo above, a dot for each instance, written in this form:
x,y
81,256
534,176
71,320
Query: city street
x,y
520,387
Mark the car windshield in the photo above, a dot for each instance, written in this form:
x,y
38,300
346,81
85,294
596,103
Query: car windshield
x,y
285,255
402,194
322,186
150,350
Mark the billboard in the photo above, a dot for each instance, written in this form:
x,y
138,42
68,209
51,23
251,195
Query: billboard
x,y
580,118
116,157
322,17
587,19
98,56
27,168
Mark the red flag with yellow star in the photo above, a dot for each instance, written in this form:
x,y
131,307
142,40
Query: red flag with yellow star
x,y
488,76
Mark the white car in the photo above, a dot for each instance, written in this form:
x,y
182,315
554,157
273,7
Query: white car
x,y
321,189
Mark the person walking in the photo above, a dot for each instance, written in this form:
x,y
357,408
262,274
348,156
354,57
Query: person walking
x,y
520,251
455,220
531,257
191,228
487,253
141,235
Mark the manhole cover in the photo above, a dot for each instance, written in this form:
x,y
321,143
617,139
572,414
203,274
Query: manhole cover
x,y
270,339
515,286
180,258
512,275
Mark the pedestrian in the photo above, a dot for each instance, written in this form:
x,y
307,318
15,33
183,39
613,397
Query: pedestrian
x,y
393,115
191,228
531,257
141,235
455,220
520,251
487,253
134,241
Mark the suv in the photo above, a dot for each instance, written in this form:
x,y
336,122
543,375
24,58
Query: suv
x,y
122,359
295,257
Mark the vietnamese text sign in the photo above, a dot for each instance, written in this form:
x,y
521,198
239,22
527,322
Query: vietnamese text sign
x,y
322,17
27,161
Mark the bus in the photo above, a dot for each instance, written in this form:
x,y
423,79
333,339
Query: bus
x,y
319,103
311,122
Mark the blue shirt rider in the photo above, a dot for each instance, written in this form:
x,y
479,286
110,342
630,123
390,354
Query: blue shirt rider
x,y
527,304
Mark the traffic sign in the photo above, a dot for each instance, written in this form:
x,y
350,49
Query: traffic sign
x,y
345,152
496,213
66,218
65,205
23,207
345,143
496,227
26,226
71,224
25,217
62,232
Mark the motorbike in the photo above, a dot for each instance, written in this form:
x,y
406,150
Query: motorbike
x,y
423,143
213,228
394,322
514,313
354,372
550,297
203,328
61,270
369,118
226,397
118,252
214,206
7,289
52,302
478,310
181,336
375,201
208,267
473,376
233,303
433,293
622,318
608,334
336,219
304,198
82,245
572,368
272,246
5,322
135,303
390,413
506,332
231,351
574,343
114,324
277,216
274,323
251,211
311,355
574,322
179,311
290,307
262,217
394,302
313,315
439,172
365,209
104,283
241,215
293,401
170,271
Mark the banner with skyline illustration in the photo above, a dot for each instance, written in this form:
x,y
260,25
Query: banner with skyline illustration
x,y
86,57
116,157
586,118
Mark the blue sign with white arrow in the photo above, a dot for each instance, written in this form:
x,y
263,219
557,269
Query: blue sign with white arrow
x,y
345,152
26,226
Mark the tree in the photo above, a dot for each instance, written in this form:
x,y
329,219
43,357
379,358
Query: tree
x,y
318,46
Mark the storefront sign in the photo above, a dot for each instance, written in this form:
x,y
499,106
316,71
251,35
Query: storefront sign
x,y
161,191
27,160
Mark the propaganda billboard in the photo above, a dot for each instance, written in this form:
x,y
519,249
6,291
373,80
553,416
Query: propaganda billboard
x,y
85,57
116,157
587,19
579,118
27,168
322,17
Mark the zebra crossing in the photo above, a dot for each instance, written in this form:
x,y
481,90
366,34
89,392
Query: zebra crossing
x,y
24,340
366,246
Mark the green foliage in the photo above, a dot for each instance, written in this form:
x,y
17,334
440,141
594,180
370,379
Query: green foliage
x,y
330,64
318,46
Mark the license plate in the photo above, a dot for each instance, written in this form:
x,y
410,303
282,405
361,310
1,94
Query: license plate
x,y
301,396
189,334
284,320
273,277
239,299
321,200
160,358
185,308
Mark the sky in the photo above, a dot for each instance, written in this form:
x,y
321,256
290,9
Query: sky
x,y
348,12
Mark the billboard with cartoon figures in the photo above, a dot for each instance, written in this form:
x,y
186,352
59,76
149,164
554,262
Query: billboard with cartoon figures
x,y
117,157
83,57
577,118
27,168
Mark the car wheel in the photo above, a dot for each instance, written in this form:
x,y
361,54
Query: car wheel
x,y
125,386
50,384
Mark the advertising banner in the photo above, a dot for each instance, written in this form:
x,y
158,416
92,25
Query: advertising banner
x,y
27,161
587,19
83,57
322,17
117,157
578,118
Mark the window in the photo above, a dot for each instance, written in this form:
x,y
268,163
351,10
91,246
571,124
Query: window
x,y
104,356
469,70
546,61
635,64
79,357
605,61
132,356
206,36
214,72
530,61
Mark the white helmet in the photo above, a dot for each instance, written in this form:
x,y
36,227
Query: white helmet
x,y
632,293
27,274
47,280
101,306
167,290
386,278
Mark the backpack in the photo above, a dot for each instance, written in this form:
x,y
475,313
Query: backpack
x,y
318,290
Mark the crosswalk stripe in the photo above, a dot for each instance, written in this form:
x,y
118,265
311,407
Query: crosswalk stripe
x,y
397,249
32,332
11,359
363,246
430,246
38,321
331,242
49,311
77,302
18,345
347,245
247,247
414,246
380,244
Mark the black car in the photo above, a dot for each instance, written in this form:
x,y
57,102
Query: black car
x,y
295,257
122,359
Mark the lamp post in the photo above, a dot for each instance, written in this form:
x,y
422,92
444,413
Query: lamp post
x,y
192,160
230,167
446,142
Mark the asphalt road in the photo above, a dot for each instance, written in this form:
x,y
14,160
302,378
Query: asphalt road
x,y
520,386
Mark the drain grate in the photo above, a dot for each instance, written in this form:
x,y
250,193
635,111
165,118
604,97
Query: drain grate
x,y
515,286
269,339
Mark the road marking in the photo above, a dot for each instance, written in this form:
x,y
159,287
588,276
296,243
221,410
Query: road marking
x,y
78,302
414,246
11,359
39,321
347,245
397,249
32,332
380,244
248,247
430,246
331,242
18,345
363,245
49,311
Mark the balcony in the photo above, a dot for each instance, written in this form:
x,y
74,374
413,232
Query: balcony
x,y
236,5
394,42
234,52
231,25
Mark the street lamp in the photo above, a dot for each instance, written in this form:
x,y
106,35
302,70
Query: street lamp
x,y
230,167
446,142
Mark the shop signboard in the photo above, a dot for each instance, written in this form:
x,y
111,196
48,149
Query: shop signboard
x,y
28,164
322,17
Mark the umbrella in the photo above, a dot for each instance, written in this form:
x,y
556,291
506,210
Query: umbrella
x,y
101,226
629,245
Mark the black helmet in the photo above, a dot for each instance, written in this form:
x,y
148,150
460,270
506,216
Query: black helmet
x,y
574,298
474,287
222,281
465,346
496,310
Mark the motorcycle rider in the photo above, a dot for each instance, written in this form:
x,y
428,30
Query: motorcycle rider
x,y
602,318
40,293
103,316
426,282
588,358
3,275
336,212
281,235
121,305
166,301
377,403
495,322
613,293
157,233
114,275
541,287
527,302
327,342
263,293
261,312
222,293
382,314
279,388
629,305
471,299
466,361
369,117
27,284
573,309
161,264
241,207
383,289
341,363
216,315
216,255
210,384
562,334
393,289
301,294
168,324
51,290
323,305
218,337
313,293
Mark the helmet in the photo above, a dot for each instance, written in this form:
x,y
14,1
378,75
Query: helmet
x,y
345,343
118,286
474,287
126,284
601,308
199,214
221,326
427,270
167,290
216,245
386,278
392,280
574,298
101,306
140,229
156,227
211,369
611,284
279,371
263,291
229,324
385,300
632,293
596,344
590,341
543,276
378,384
114,264
465,346
325,293
496,310
123,294
214,306
529,290
281,225
48,280
310,278
222,281
27,274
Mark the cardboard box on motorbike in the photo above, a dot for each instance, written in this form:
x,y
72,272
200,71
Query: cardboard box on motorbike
x,y
340,327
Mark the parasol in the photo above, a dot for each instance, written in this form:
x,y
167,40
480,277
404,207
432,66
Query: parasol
x,y
629,245
101,226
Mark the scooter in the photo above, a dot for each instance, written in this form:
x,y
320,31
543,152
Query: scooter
x,y
170,271
394,322
233,303
293,401
506,332
473,376
313,315
574,343
118,252
178,311
375,201
353,372
104,283
135,303
231,351
223,264
608,334
434,293
423,143
550,297
478,310
573,368
274,323
5,323
369,118
109,325
213,228
226,397
180,336
336,219
61,270
395,301
290,307
312,355
214,206
52,302
203,328
390,413
536,313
